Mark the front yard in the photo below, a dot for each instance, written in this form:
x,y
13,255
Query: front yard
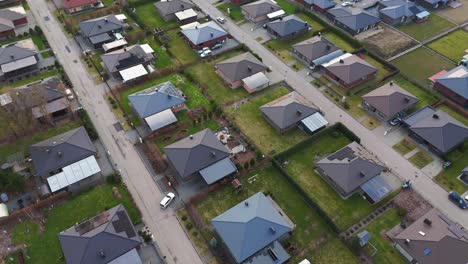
x,y
231,10
177,46
300,167
421,159
448,177
433,26
249,119
43,245
452,45
404,147
312,236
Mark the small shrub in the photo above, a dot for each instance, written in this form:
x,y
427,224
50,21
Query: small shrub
x,y
189,226
114,179
246,165
402,211
252,162
184,218
195,233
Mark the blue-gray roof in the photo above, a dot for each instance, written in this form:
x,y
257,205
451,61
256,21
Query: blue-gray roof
x,y
456,80
204,32
218,170
287,25
324,4
376,188
250,226
100,25
156,99
398,8
354,18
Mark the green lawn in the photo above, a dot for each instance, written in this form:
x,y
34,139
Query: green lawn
x,y
339,42
39,41
452,45
180,49
309,226
44,247
448,177
108,2
405,146
433,26
386,253
421,159
235,12
163,60
250,120
218,90
151,18
426,97
287,6
454,114
421,64
300,166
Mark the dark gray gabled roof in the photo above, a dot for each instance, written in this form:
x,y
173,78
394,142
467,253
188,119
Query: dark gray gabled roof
x,y
125,58
351,69
156,99
353,18
250,226
39,93
315,47
324,4
7,17
390,99
16,51
399,8
241,66
172,7
100,25
196,152
60,151
204,32
350,167
287,25
260,8
288,109
439,129
100,239
456,80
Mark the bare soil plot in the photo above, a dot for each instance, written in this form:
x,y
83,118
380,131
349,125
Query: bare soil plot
x,y
389,42
457,15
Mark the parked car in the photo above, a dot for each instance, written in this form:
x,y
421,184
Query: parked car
x,y
395,121
205,54
221,20
203,50
216,46
347,3
458,200
166,200
447,164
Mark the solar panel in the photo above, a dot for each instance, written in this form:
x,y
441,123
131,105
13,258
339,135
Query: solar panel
x,y
345,153
123,224
92,223
130,61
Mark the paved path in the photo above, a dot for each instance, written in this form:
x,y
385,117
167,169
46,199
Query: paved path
x,y
399,165
169,235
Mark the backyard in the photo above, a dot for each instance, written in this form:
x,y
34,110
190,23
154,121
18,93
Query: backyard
x,y
452,45
448,177
163,60
179,48
250,120
231,10
420,64
453,113
151,18
432,27
312,236
300,167
425,96
42,243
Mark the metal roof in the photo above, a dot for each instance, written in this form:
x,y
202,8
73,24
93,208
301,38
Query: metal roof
x,y
133,72
376,188
287,25
185,14
314,122
255,81
161,119
327,58
114,44
250,226
218,170
204,32
265,256
240,66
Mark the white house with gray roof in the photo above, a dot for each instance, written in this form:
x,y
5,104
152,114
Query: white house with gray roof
x,y
287,27
156,105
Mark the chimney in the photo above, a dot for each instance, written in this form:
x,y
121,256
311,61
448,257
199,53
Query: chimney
x,y
272,229
341,61
125,48
428,222
191,136
407,241
211,34
319,34
435,116
328,47
249,69
99,26
246,204
213,153
101,253
406,100
362,173
47,150
391,83
59,153
12,56
196,27
298,112
105,19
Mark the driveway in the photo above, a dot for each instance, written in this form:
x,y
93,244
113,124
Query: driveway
x,y
423,184
172,242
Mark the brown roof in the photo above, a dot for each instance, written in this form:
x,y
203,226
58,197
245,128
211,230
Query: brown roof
x,y
390,99
441,241
351,69
241,66
315,47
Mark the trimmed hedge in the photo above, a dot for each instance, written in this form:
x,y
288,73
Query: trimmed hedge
x,y
88,124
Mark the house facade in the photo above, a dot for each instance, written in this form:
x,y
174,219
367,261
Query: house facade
x,y
10,19
314,49
320,6
76,6
349,70
18,58
102,30
257,11
234,70
454,85
396,12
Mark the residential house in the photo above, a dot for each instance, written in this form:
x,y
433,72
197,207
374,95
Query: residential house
x,y
169,9
129,63
388,101
18,58
432,239
436,129
45,99
10,19
201,154
315,51
157,105
108,237
433,4
251,230
395,12
66,160
352,20
287,27
204,35
352,170
235,70
349,70
454,84
257,11
290,111
239,2
102,30
320,6
75,6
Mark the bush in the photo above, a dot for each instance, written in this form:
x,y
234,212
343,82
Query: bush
x,y
402,211
252,162
184,218
88,124
246,165
195,233
346,105
114,179
189,226
11,181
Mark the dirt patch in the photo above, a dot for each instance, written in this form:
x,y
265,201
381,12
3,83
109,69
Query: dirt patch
x,y
413,203
457,15
388,42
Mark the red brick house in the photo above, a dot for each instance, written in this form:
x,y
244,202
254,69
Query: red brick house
x,y
454,85
74,6
11,18
349,70
204,35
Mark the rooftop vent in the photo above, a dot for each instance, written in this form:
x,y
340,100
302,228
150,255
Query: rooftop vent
x,y
435,116
101,253
341,61
211,34
298,112
105,19
12,56
328,47
391,83
59,153
191,136
427,221
181,5
246,203
213,153
319,34
249,69
99,26
272,229
422,233
362,173
272,254
407,241
406,100
47,150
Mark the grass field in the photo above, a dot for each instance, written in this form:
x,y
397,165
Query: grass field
x,y
300,166
452,45
338,41
405,146
235,12
250,120
151,18
433,26
448,177
43,247
163,60
218,90
287,6
180,49
426,97
421,64
454,114
309,226
421,159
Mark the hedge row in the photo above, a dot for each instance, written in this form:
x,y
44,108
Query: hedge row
x,y
88,124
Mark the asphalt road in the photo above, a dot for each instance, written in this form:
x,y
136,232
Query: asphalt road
x,y
169,235
423,184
